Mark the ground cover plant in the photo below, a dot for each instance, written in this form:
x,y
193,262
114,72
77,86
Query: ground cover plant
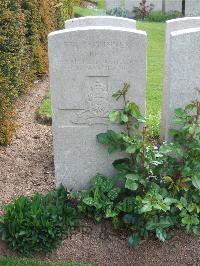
x,y
5,261
44,112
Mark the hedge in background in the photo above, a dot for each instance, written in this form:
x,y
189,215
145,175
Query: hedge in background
x,y
14,68
24,26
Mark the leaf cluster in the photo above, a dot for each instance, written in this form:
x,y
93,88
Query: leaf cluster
x,y
160,184
38,224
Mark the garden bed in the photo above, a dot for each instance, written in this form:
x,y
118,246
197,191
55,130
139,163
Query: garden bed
x,y
27,167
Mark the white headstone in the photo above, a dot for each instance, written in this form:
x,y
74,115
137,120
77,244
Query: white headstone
x,y
172,25
87,65
183,72
192,7
130,4
100,21
173,5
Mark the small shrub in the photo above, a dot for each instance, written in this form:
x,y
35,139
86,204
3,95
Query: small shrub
x,y
160,185
118,12
143,10
38,224
99,201
159,16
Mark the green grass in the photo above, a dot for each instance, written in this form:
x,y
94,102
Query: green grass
x,y
101,4
155,32
83,12
44,111
6,261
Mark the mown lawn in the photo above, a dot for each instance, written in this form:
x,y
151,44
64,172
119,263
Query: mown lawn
x,y
155,32
6,261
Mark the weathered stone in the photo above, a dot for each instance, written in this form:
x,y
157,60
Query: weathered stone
x,y
87,65
130,4
192,7
173,5
100,21
172,25
183,70
110,4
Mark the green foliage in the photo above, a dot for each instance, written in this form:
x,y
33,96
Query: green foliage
x,y
99,201
159,16
24,27
8,261
101,4
156,35
14,68
118,12
38,224
44,112
160,185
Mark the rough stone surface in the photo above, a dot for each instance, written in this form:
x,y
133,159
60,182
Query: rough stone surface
x,y
173,5
172,25
87,65
113,3
100,21
183,70
192,7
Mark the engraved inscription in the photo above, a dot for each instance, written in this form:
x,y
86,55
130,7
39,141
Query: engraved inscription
x,y
96,101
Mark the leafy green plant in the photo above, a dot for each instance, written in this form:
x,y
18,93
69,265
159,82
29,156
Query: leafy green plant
x,y
159,16
38,224
161,185
118,12
101,199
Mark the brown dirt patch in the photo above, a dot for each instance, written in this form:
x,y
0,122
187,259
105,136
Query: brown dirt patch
x,y
26,166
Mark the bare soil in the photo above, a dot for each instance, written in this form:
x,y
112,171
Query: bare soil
x,y
26,166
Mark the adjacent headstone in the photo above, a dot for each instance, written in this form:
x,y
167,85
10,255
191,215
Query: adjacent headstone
x,y
87,65
100,21
172,25
183,72
192,7
173,5
131,4
110,4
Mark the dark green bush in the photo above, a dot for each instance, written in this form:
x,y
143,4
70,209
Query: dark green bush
x,y
160,185
159,16
24,26
38,224
15,73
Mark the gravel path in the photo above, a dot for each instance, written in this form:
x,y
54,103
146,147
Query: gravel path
x,y
26,166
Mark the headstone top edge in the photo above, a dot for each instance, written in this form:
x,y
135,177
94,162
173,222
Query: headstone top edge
x,y
100,17
184,31
98,28
182,19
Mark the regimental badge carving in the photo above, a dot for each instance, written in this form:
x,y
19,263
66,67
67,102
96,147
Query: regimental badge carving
x,y
96,102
